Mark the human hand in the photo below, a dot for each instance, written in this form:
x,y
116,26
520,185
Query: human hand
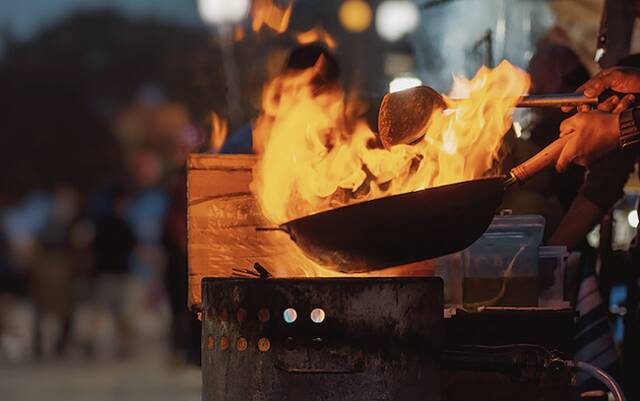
x,y
619,79
614,104
593,134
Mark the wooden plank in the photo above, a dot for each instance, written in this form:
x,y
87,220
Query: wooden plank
x,y
206,184
205,161
222,219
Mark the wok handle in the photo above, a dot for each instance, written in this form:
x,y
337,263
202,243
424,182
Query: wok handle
x,y
543,159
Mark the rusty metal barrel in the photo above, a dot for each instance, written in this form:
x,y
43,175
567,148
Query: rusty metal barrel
x,y
323,339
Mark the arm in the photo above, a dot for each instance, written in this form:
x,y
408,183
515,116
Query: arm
x,y
581,217
603,187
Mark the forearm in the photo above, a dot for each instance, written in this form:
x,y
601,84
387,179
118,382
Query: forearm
x,y
581,217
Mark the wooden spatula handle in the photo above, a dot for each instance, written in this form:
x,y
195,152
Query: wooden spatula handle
x,y
543,159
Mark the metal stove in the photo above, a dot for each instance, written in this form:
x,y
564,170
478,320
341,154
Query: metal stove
x,y
345,339
349,338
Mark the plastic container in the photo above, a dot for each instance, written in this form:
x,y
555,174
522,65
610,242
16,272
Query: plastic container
x,y
552,265
502,269
451,268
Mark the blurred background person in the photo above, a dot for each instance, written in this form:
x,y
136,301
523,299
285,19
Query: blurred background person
x,y
53,276
574,201
185,327
299,59
112,251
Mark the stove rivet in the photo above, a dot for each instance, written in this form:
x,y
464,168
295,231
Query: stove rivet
x,y
241,344
224,343
317,342
264,344
210,343
264,315
237,294
241,315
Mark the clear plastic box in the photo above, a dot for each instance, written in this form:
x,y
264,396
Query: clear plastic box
x,y
451,269
502,268
552,266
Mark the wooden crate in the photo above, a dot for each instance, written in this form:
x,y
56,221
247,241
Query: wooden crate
x,y
222,217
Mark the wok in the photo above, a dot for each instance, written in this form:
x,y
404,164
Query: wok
x,y
409,227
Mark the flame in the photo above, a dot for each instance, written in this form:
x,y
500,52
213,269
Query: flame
x,y
316,34
317,154
218,132
238,33
265,12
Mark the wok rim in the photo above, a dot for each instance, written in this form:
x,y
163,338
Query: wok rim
x,y
285,225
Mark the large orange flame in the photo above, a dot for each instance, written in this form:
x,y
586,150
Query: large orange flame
x,y
266,13
316,154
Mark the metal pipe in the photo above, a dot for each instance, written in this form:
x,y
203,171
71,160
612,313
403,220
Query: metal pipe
x,y
549,100
601,376
556,100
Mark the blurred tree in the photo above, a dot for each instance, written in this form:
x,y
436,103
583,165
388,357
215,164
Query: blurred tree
x,y
61,91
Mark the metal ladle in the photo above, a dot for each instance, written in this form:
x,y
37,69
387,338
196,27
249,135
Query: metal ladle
x,y
404,116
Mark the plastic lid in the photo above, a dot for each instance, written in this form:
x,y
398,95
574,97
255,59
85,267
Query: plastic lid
x,y
553,251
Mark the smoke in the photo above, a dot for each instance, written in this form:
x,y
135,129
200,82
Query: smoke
x,y
449,39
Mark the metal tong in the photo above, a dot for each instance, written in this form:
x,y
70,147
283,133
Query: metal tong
x,y
404,116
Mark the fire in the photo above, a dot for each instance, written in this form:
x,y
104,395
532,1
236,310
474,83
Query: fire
x,y
315,35
238,33
218,132
265,12
317,154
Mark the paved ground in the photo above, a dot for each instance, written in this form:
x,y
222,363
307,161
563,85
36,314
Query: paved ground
x,y
149,379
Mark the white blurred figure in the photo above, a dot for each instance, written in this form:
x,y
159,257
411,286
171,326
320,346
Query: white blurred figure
x,y
52,278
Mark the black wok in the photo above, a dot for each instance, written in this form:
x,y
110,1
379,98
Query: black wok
x,y
409,227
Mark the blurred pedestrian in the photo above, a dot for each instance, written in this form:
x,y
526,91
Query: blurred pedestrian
x,y
112,248
301,58
185,327
52,277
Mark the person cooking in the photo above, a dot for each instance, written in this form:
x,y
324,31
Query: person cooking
x,y
613,126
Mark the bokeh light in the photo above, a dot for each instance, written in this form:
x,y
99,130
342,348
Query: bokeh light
x,y
405,82
396,18
355,15
632,218
223,11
